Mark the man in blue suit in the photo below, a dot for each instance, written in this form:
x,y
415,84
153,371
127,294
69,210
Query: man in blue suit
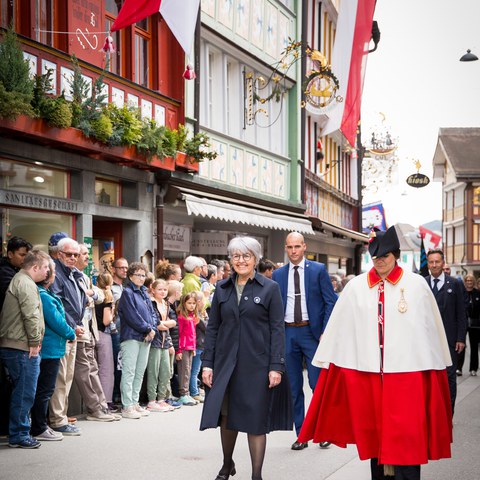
x,y
449,294
308,299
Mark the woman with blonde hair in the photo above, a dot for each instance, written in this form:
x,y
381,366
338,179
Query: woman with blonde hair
x,y
105,318
473,314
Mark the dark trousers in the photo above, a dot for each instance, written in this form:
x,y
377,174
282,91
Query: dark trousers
x,y
474,339
117,373
452,377
402,472
45,387
301,346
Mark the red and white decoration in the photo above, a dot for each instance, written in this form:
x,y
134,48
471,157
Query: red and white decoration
x,y
181,17
349,58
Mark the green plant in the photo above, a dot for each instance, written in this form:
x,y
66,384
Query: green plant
x,y
127,126
56,111
156,140
16,84
102,128
88,105
198,148
180,137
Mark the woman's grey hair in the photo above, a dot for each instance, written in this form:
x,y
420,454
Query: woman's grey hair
x,y
245,245
191,263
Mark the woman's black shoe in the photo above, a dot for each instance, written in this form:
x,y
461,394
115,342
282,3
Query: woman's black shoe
x,y
224,476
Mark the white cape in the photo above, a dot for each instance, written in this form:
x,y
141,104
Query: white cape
x,y
414,340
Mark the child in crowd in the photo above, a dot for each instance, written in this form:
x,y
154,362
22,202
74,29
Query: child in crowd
x,y
103,347
158,367
200,329
175,288
187,317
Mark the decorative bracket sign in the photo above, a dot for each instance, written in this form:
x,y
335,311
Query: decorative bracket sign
x,y
418,180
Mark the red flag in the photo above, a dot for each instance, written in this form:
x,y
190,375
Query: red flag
x,y
431,239
354,30
180,20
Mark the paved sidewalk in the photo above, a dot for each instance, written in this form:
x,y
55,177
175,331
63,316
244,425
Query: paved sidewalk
x,y
170,446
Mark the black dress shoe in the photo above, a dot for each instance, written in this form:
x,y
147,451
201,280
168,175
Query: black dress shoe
x,y
224,476
299,445
324,444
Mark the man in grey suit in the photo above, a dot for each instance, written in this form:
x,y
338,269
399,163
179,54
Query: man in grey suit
x,y
449,294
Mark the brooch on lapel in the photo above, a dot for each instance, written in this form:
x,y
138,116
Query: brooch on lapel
x,y
402,304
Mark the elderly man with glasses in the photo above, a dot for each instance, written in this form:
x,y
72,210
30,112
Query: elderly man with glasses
x,y
74,300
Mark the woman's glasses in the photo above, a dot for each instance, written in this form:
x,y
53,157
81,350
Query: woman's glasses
x,y
237,257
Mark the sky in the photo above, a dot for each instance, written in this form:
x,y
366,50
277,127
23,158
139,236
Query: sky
x,y
416,81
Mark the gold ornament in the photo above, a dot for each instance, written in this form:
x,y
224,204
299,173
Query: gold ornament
x,y
402,304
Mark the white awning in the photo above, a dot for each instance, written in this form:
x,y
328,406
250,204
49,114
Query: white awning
x,y
230,212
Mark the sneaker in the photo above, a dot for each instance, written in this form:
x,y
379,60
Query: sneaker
x,y
29,442
50,436
173,403
130,412
68,430
199,398
164,404
196,402
459,373
100,416
142,411
154,406
186,400
473,373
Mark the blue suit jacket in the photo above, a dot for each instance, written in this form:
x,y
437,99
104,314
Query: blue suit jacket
x,y
319,294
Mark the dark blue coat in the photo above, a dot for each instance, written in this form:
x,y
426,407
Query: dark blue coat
x,y
319,294
137,316
243,343
451,303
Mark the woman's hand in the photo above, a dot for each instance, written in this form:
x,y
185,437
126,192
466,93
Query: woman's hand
x,y
274,378
207,376
161,327
178,357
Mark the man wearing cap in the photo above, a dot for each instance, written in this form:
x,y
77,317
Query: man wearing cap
x,y
53,243
384,384
74,300
450,296
308,300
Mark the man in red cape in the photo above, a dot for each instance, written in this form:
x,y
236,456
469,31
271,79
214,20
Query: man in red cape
x,y
384,355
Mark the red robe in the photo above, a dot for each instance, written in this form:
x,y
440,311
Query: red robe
x,y
400,418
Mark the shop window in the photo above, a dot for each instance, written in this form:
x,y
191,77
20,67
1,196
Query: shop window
x,y
476,201
107,192
33,178
34,226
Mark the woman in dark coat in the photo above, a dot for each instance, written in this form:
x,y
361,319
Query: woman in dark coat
x,y
244,359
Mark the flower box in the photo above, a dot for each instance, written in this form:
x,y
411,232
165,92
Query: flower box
x,y
185,163
73,139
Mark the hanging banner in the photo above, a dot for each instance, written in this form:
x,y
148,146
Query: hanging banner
x,y
373,215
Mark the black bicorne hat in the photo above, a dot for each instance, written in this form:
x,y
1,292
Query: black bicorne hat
x,y
381,243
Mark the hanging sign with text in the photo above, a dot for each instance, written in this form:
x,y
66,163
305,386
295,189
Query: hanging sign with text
x,y
418,180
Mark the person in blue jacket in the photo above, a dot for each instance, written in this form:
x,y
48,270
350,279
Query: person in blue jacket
x,y
57,332
139,324
308,300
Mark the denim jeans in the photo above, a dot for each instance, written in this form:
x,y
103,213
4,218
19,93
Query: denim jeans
x,y
116,372
134,364
45,387
196,364
24,373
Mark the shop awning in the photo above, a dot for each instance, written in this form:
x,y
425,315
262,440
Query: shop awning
x,y
345,232
230,212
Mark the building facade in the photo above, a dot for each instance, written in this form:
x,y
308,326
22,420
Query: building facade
x,y
456,165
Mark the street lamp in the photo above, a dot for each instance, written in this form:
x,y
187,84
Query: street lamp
x,y
469,57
